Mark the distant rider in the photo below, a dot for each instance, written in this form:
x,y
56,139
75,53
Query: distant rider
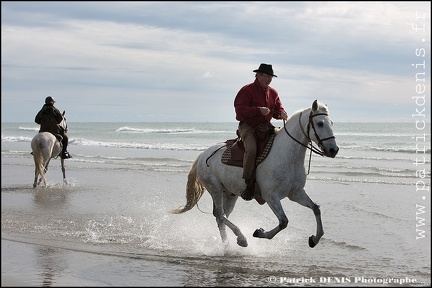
x,y
49,118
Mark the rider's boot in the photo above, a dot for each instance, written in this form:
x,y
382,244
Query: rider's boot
x,y
65,155
248,193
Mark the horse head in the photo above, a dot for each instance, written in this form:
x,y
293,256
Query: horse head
x,y
320,129
63,123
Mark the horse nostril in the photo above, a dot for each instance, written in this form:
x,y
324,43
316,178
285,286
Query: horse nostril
x,y
334,151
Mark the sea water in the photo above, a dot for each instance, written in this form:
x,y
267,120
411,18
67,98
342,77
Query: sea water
x,y
369,152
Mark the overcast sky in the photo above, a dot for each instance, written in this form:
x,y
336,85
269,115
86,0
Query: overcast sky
x,y
185,61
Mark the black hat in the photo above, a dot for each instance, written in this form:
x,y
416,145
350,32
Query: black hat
x,y
49,99
265,68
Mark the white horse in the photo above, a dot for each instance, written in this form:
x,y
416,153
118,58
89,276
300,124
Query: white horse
x,y
281,174
44,147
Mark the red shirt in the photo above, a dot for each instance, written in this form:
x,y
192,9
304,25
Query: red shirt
x,y
251,97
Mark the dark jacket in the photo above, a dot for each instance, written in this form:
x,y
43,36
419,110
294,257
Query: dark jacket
x,y
49,118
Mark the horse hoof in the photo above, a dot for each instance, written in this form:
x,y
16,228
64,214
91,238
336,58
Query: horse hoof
x,y
311,242
242,242
258,233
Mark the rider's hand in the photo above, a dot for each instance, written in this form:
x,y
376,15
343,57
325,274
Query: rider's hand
x,y
284,115
264,110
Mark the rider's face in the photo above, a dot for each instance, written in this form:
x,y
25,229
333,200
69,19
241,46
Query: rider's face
x,y
264,79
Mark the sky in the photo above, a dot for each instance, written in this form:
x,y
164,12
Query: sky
x,y
162,61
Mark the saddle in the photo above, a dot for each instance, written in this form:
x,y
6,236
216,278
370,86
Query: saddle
x,y
233,155
58,136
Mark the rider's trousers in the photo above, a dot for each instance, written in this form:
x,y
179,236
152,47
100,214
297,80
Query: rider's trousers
x,y
250,145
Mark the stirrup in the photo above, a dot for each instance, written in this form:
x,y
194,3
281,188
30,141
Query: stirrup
x,y
66,155
248,193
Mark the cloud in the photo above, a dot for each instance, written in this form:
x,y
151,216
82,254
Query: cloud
x,y
107,61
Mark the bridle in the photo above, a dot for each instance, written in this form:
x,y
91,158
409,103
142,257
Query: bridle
x,y
310,142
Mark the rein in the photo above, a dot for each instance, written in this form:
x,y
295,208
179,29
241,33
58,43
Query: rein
x,y
311,147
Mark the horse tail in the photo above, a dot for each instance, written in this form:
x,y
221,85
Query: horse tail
x,y
194,190
39,159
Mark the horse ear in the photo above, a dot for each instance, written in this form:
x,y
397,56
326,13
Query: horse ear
x,y
315,106
64,111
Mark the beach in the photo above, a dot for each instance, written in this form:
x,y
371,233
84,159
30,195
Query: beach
x,y
110,224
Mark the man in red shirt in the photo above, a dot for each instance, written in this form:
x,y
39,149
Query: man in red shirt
x,y
256,103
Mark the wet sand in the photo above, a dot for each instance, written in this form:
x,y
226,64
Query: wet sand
x,y
110,227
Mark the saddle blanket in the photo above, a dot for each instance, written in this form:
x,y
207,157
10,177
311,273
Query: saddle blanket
x,y
228,159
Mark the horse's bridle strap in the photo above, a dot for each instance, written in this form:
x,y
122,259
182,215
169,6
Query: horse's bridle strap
x,y
312,148
320,141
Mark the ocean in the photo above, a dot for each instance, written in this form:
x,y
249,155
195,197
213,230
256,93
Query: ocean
x,y
110,224
369,152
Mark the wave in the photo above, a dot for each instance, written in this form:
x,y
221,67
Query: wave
x,y
29,128
371,170
148,130
374,134
127,129
361,180
343,244
373,213
16,139
399,149
373,158
85,142
409,150
153,146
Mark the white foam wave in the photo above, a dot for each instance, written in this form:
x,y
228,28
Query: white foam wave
x,y
155,146
29,128
127,129
16,139
373,134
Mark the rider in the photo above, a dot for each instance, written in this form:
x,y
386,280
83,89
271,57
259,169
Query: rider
x,y
49,118
256,103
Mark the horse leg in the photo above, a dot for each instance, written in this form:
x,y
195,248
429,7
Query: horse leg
x,y
42,178
241,239
219,209
45,170
229,201
303,199
276,206
39,171
63,171
36,177
38,158
221,226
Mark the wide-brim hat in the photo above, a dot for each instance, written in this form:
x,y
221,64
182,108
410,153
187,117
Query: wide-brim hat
x,y
265,68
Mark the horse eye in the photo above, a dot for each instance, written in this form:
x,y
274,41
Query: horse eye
x,y
320,124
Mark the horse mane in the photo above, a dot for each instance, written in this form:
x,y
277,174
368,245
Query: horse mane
x,y
321,106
